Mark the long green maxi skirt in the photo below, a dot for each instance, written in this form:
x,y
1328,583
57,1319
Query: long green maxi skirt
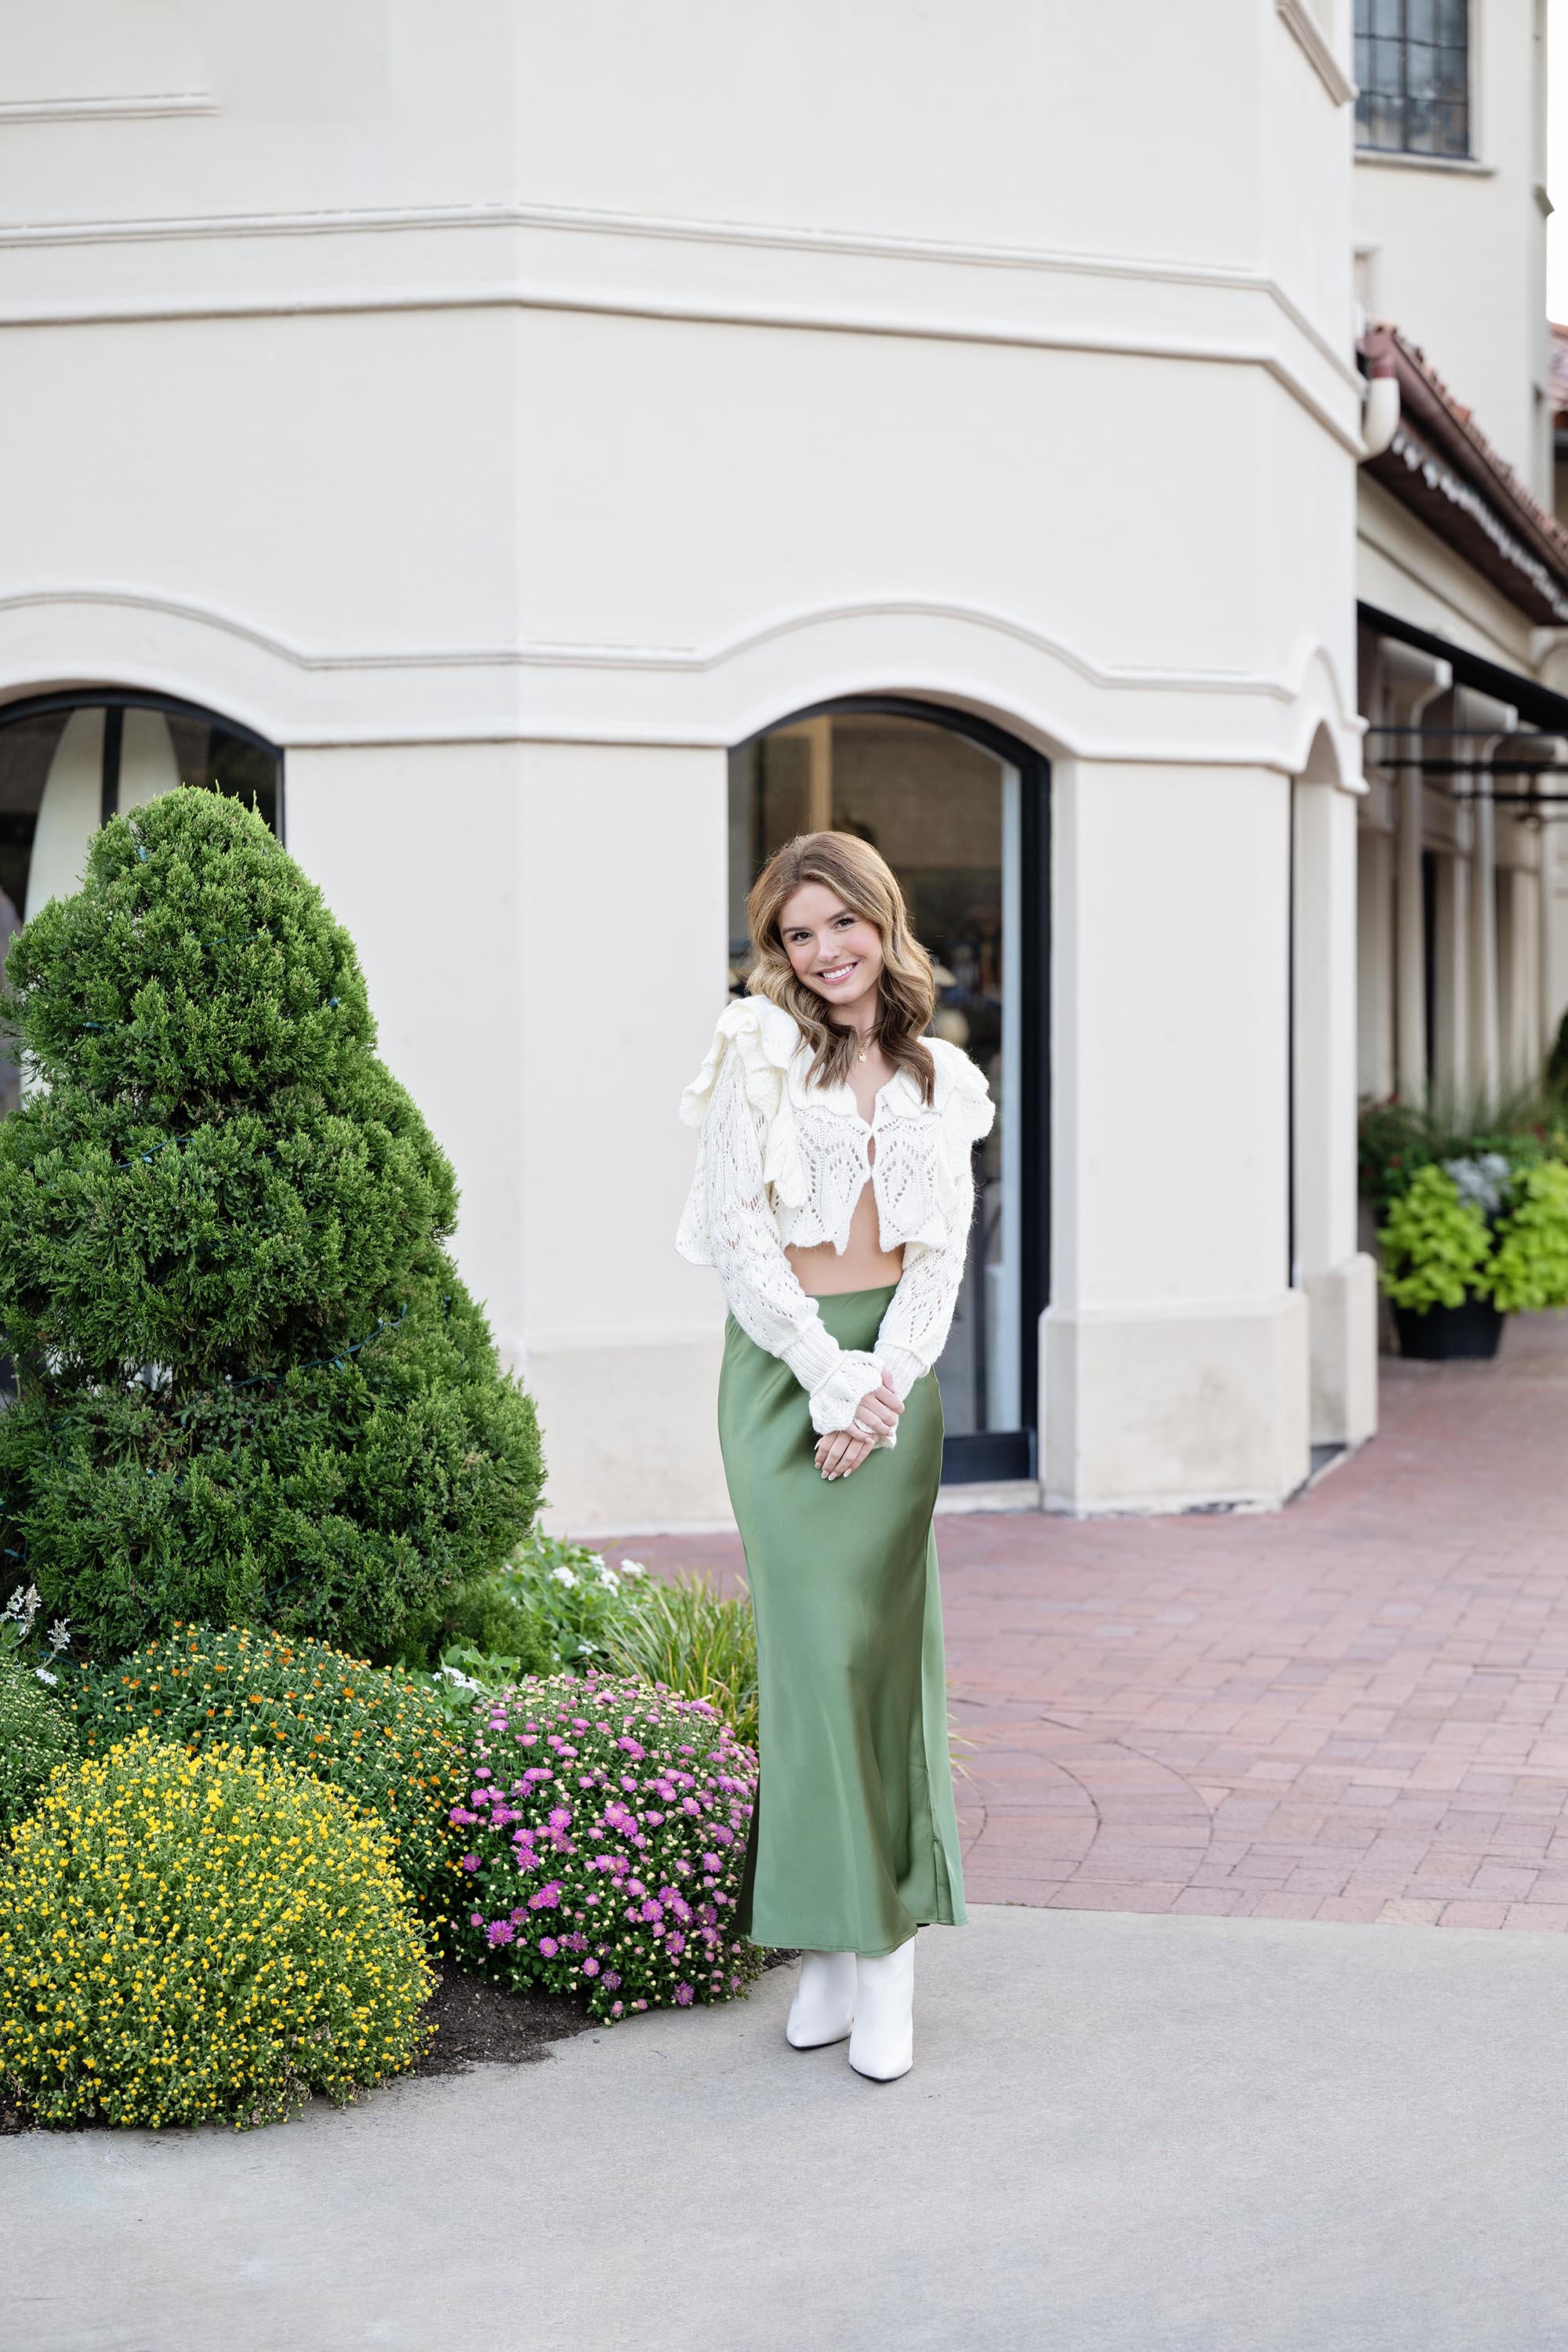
x,y
853,1842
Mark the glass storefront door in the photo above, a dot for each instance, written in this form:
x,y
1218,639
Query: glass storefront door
x,y
963,825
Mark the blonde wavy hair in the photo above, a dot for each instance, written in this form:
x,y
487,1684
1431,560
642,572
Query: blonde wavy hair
x,y
862,878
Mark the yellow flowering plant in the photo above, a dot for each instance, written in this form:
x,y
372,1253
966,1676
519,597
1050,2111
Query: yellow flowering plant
x,y
371,1731
192,1938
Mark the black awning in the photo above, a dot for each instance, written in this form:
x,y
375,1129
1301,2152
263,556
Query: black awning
x,y
1539,705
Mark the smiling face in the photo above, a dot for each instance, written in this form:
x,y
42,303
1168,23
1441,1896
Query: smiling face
x,y
836,953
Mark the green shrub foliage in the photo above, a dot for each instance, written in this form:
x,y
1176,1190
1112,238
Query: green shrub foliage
x,y
36,1733
553,1604
252,1387
185,1939
1529,1264
1435,1245
376,1735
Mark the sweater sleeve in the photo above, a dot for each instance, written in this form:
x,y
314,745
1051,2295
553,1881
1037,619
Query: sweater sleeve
x,y
759,1285
919,1313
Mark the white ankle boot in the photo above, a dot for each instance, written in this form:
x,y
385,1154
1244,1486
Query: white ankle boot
x,y
882,2044
823,2009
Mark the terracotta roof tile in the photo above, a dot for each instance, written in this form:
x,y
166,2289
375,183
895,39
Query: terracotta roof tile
x,y
1442,466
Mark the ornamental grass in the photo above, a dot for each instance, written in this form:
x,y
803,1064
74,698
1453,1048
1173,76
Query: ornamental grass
x,y
606,1829
367,1730
696,1642
189,1939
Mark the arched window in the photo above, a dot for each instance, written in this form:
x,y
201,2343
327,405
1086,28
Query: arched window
x,y
70,762
959,810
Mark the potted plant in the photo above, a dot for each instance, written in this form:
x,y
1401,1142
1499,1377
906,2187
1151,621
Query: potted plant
x,y
1472,1226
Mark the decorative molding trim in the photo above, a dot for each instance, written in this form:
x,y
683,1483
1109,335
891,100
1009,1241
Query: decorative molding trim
x,y
106,109
760,236
539,654
1114,676
1396,159
535,692
1324,63
804,319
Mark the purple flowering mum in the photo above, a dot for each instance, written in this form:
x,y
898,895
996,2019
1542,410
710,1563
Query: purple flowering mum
x,y
602,1851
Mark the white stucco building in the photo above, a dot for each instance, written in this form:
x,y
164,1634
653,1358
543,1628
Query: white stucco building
x,y
1462,573
586,445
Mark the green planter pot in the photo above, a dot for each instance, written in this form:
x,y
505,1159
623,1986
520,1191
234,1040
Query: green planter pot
x,y
1447,1335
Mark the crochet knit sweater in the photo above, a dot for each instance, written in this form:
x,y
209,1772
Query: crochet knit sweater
x,y
782,1163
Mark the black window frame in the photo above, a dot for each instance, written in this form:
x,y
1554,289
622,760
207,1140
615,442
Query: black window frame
x,y
1430,118
114,701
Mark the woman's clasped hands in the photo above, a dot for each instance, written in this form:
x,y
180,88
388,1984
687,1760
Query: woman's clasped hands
x,y
875,1418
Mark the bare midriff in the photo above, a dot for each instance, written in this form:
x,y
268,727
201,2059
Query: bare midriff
x,y
822,1273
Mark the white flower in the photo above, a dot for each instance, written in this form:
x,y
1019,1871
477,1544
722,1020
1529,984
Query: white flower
x,y
464,1682
608,1579
633,1568
24,1607
44,1675
59,1635
563,1576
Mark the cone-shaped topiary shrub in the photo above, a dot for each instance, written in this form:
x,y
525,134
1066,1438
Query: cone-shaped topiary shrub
x,y
252,1388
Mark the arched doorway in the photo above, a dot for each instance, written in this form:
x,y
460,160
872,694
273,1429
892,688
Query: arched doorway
x,y
69,762
961,811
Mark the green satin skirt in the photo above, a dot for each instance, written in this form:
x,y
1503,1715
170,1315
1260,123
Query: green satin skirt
x,y
854,1840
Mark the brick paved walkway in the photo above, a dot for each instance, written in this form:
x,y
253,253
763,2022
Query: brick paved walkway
x,y
1355,1710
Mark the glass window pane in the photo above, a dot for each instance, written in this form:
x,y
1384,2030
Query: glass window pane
x,y
27,748
1453,25
1448,70
1385,121
1420,71
60,769
1387,18
1453,130
1387,69
1420,20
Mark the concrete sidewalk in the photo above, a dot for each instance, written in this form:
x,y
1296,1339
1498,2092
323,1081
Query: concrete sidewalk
x,y
1124,2133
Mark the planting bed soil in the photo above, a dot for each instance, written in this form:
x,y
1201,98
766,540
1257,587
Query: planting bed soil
x,y
478,2024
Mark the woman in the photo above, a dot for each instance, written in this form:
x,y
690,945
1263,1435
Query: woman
x,y
833,1193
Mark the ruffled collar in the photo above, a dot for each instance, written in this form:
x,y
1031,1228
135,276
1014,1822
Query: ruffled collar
x,y
782,1041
